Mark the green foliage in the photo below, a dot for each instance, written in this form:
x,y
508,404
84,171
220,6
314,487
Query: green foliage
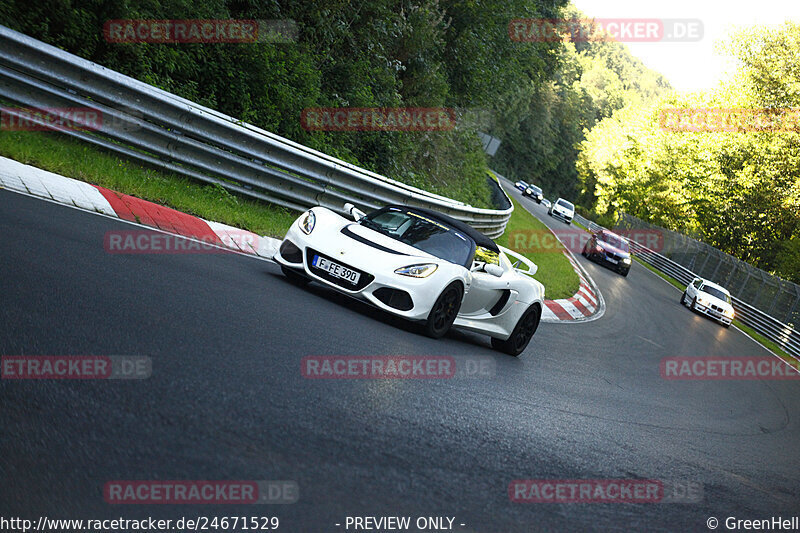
x,y
383,53
538,98
738,191
543,122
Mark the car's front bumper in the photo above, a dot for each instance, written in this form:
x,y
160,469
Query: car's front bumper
x,y
612,261
713,314
561,216
405,296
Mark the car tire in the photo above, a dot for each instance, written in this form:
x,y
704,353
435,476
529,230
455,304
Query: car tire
x,y
624,273
444,311
523,332
295,277
726,326
693,307
683,299
584,253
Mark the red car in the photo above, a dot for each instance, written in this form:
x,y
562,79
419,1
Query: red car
x,y
608,248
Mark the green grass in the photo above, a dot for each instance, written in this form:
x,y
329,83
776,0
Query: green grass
x,y
75,159
584,228
555,271
770,345
79,160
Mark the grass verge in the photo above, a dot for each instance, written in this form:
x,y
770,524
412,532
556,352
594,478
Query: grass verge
x,y
79,160
581,226
555,271
770,345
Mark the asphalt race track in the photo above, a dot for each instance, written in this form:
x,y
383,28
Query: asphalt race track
x,y
226,400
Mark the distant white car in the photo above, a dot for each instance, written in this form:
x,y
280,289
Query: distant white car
x,y
710,299
546,203
421,265
521,185
562,209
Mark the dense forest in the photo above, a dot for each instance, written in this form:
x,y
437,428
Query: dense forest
x,y
537,97
581,119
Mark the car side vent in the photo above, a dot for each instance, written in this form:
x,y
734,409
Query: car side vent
x,y
290,252
501,303
396,298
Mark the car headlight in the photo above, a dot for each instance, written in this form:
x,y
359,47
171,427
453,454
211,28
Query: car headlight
x,y
626,260
417,271
729,313
702,301
308,222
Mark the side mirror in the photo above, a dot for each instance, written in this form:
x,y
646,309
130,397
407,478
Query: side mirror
x,y
494,270
354,212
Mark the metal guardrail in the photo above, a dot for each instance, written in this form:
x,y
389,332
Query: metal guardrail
x,y
156,128
586,223
784,335
767,292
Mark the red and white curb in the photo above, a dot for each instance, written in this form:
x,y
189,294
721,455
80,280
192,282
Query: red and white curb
x,y
586,304
33,181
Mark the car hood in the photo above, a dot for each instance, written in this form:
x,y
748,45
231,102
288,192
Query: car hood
x,y
380,240
613,249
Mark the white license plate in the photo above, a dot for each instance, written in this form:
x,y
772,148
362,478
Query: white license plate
x,y
612,261
336,269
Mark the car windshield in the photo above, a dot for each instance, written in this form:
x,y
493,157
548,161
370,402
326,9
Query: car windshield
x,y
716,293
614,240
422,233
536,189
564,203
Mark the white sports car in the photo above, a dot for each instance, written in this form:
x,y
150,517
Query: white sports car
x,y
707,298
420,265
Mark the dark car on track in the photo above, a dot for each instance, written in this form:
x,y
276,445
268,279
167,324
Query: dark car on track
x,y
609,249
534,192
